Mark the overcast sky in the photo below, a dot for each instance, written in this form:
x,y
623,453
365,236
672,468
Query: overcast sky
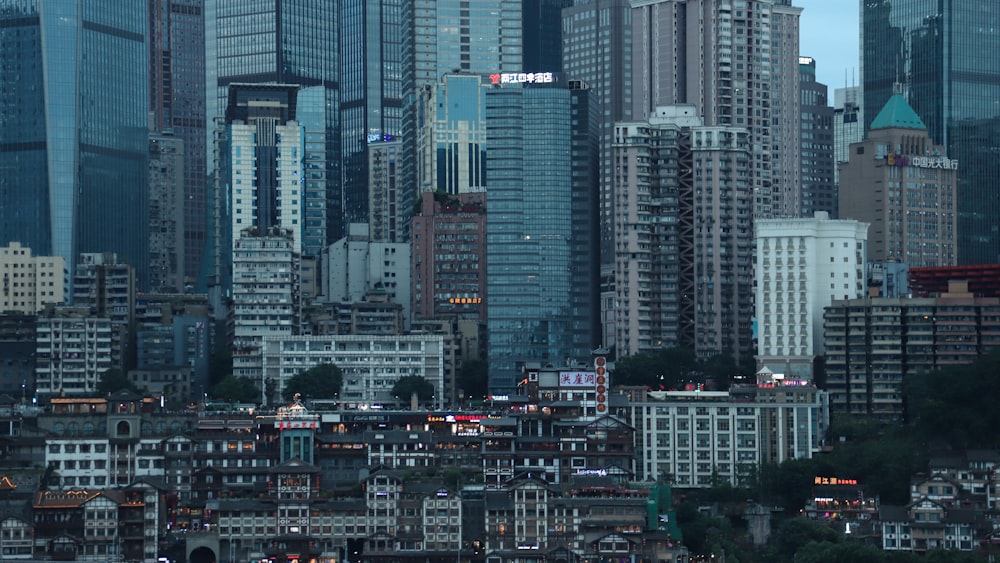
x,y
829,34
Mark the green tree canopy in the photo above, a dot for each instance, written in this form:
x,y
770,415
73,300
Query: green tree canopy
x,y
113,380
410,384
235,389
668,367
956,405
473,379
318,382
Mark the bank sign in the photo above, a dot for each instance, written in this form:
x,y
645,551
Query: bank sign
x,y
944,163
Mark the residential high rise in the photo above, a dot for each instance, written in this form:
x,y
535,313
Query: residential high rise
x,y
167,242
265,297
935,50
73,349
904,186
542,251
74,113
819,189
802,266
105,286
177,103
738,65
683,235
286,42
872,345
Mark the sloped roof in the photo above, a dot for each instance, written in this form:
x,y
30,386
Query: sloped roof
x,y
897,114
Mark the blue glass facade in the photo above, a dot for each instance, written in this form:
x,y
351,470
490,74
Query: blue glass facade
x,y
177,100
542,259
940,52
73,128
371,91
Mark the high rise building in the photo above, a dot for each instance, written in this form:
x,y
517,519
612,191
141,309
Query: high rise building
x,y
442,38
541,33
819,189
597,49
371,92
683,235
542,257
286,42
259,170
74,113
451,141
449,257
105,286
848,125
386,211
872,345
265,297
167,241
935,49
904,186
802,266
73,349
738,64
177,104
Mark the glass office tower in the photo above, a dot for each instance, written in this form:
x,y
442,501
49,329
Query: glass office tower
x,y
74,109
542,242
177,103
939,54
371,91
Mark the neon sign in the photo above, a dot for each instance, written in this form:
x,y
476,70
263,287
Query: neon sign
x,y
522,78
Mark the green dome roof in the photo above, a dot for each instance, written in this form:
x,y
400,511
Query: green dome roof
x,y
898,114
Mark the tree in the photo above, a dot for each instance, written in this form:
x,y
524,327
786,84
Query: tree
x,y
473,379
318,382
236,389
668,368
407,386
114,380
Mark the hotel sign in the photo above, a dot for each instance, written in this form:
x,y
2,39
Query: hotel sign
x,y
522,78
944,163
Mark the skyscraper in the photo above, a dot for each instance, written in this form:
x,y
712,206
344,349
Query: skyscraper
x,y
177,102
904,186
73,128
541,34
935,50
371,102
541,244
597,49
449,37
286,42
738,64
819,190
848,124
683,235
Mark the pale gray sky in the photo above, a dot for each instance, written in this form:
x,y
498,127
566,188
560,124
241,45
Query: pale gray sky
x,y
829,33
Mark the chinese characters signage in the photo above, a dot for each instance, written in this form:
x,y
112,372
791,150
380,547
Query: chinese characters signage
x,y
577,379
522,78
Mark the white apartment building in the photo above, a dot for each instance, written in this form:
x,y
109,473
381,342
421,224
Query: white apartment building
x,y
30,282
802,266
265,295
698,438
73,350
371,364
